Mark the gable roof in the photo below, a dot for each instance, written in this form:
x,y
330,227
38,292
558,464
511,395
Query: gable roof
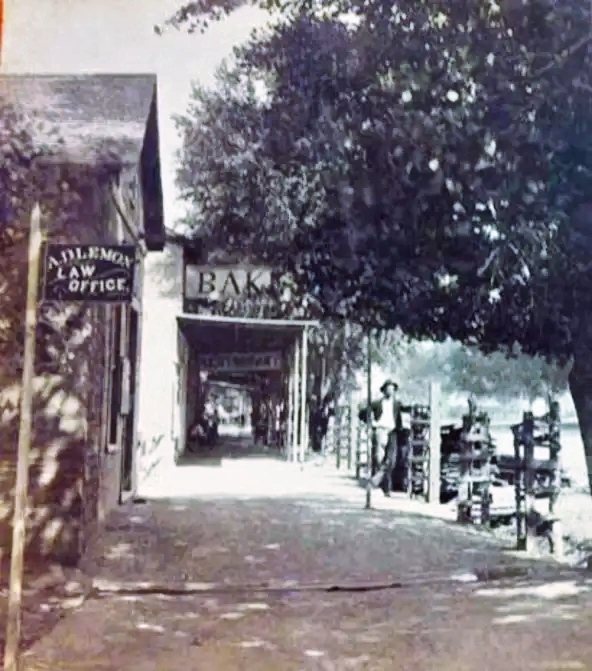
x,y
98,118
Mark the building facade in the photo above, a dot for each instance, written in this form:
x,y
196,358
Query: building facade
x,y
102,185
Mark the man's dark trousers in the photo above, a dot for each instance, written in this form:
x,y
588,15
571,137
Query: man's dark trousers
x,y
395,462
388,463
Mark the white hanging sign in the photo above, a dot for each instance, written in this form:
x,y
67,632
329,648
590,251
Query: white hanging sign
x,y
220,282
240,362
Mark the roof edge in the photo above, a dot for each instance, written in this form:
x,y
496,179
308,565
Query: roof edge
x,y
151,177
211,319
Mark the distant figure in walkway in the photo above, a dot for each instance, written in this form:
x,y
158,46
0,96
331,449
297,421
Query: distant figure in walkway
x,y
319,424
205,430
259,414
256,423
389,435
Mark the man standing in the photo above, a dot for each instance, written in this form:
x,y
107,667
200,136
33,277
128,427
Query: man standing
x,y
386,424
387,412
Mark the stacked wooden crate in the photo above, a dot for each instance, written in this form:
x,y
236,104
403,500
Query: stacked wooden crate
x,y
418,479
475,455
450,437
341,435
361,441
360,449
535,478
466,466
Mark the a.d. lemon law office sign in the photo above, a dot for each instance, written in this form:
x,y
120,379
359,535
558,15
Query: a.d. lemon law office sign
x,y
99,273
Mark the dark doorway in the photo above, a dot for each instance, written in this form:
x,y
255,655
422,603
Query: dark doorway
x,y
128,443
115,383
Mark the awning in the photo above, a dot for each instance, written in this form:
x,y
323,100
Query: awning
x,y
225,335
265,341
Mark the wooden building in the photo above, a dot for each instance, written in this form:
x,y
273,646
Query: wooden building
x,y
100,163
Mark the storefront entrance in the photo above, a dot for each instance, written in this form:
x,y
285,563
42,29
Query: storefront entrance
x,y
266,358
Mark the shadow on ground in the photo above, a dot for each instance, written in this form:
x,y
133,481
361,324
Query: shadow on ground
x,y
49,592
435,628
317,539
463,603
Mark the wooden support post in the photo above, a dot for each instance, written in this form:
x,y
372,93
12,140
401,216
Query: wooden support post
x,y
337,441
351,429
270,419
435,458
520,489
369,425
290,409
529,474
290,413
296,434
359,440
304,397
13,621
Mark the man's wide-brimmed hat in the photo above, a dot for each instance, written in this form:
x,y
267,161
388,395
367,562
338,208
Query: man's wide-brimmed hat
x,y
385,384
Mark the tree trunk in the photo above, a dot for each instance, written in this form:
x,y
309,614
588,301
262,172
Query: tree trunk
x,y
580,384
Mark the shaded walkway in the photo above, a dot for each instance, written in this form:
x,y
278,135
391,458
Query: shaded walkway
x,y
228,447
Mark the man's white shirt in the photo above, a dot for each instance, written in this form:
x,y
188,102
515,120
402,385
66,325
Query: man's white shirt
x,y
387,418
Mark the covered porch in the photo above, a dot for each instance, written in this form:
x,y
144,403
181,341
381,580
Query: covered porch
x,y
252,354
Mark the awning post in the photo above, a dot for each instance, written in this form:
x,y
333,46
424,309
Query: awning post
x,y
296,423
304,396
287,406
370,422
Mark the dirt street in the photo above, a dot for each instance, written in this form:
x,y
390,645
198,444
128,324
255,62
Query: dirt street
x,y
262,556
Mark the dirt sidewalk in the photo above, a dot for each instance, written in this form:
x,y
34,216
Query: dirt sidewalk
x,y
252,556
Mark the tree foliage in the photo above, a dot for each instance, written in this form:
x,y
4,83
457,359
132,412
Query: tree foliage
x,y
466,370
407,169
27,175
18,186
68,389
422,166
496,375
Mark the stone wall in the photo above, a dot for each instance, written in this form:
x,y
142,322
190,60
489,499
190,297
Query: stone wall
x,y
72,479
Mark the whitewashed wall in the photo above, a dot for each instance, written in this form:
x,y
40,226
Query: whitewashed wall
x,y
162,303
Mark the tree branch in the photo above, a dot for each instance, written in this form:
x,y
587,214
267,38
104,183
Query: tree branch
x,y
565,54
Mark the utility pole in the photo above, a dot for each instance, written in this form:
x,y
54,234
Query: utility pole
x,y
370,423
13,620
435,445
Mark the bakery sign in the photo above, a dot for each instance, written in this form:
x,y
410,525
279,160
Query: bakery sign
x,y
97,273
239,362
221,282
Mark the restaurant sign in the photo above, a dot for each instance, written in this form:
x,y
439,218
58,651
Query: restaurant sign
x,y
97,273
239,362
